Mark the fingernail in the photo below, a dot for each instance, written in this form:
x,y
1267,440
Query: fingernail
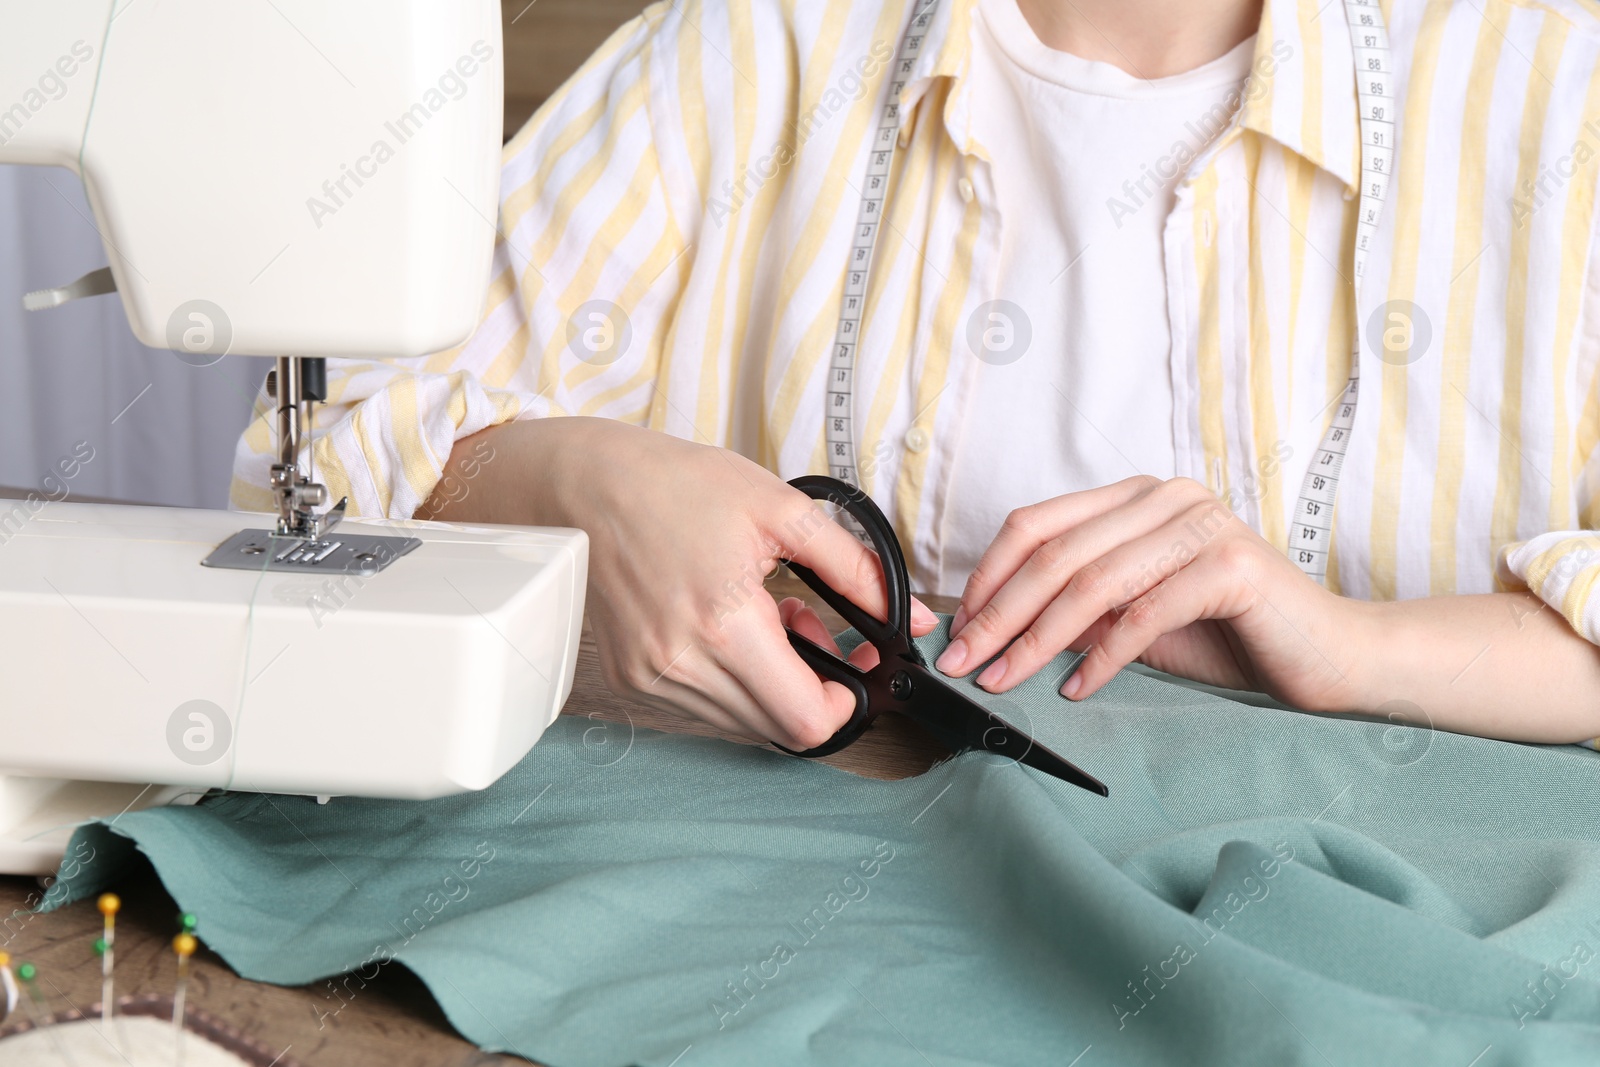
x,y
959,621
953,657
991,677
921,613
1075,683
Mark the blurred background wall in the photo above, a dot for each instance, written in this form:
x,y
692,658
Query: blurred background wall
x,y
163,431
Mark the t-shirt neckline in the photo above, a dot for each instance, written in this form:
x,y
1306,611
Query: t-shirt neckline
x,y
1018,42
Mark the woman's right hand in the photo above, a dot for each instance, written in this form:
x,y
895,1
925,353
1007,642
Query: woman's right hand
x,y
681,536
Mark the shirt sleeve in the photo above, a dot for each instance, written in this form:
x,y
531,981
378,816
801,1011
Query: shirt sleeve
x,y
588,264
1561,568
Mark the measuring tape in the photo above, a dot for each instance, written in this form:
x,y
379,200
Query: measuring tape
x,y
1310,539
839,424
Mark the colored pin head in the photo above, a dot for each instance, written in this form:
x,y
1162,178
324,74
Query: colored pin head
x,y
100,946
109,904
187,921
27,972
5,959
184,945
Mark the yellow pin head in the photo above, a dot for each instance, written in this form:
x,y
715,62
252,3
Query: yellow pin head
x,y
184,945
109,904
5,959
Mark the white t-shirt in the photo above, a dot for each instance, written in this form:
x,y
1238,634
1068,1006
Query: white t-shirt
x,y
1085,161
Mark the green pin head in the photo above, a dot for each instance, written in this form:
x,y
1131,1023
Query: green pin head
x,y
188,922
27,972
99,946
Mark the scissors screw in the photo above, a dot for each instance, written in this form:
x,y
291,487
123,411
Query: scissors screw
x,y
900,685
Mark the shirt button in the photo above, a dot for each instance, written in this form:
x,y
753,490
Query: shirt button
x,y
916,439
964,187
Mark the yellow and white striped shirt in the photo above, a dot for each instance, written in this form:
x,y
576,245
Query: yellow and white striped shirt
x,y
702,172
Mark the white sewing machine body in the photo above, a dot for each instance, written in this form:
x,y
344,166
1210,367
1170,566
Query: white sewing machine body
x,y
326,175
297,180
127,661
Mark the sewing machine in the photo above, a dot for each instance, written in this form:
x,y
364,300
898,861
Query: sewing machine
x,y
291,179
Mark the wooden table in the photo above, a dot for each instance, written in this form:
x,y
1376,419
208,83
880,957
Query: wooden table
x,y
393,1021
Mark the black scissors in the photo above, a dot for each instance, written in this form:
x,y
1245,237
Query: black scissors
x,y
902,680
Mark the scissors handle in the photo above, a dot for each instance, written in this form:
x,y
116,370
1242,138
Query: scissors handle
x,y
835,669
873,691
891,634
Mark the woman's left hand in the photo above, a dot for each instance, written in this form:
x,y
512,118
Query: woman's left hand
x,y
1162,572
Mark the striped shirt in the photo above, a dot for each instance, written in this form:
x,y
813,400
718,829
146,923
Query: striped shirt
x,y
702,173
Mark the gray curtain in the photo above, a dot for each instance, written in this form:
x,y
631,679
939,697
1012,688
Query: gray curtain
x,y
161,431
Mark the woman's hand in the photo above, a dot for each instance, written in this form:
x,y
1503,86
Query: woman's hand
x,y
1162,572
680,538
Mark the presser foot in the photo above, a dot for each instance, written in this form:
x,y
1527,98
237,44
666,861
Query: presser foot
x,y
296,496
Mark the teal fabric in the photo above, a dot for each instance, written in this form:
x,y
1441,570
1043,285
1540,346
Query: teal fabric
x,y
1261,887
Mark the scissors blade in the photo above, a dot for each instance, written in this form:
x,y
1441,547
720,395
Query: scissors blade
x,y
964,723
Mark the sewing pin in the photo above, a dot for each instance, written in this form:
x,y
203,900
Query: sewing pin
x,y
184,945
34,1002
109,904
8,983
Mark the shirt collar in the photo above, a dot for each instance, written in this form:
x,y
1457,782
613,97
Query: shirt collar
x,y
946,53
1302,90
1301,93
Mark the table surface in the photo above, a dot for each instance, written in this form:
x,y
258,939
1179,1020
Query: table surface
x,y
393,1021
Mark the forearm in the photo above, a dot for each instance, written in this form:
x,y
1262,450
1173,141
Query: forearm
x,y
1500,665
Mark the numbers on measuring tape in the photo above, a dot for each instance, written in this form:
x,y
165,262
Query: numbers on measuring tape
x,y
839,427
1313,516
